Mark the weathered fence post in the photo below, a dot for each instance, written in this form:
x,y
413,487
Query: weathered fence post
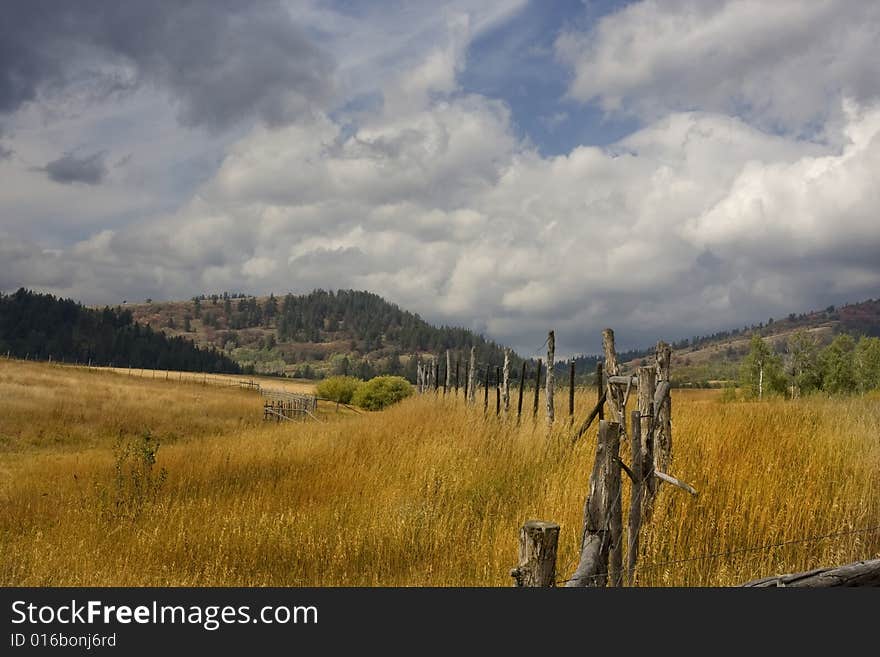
x,y
505,383
551,376
538,542
448,380
436,381
497,391
486,391
537,389
471,389
859,573
467,376
663,437
642,468
615,394
571,393
635,500
604,491
522,384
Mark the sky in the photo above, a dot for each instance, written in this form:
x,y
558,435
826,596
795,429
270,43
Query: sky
x,y
665,168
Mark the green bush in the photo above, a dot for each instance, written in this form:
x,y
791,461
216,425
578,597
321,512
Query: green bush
x,y
338,388
381,391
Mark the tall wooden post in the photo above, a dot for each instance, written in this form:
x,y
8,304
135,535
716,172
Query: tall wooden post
x,y
486,391
467,378
551,376
647,387
615,394
448,380
642,445
597,537
522,384
571,392
436,380
537,554
472,377
537,389
497,391
663,434
636,499
505,383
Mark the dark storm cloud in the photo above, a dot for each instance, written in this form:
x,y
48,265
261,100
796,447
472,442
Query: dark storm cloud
x,y
220,60
69,168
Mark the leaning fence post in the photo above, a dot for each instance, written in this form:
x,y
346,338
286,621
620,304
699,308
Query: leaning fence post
x,y
538,542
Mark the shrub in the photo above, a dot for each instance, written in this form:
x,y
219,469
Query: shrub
x,y
338,388
381,391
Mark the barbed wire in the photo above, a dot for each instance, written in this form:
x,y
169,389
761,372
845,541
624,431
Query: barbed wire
x,y
731,553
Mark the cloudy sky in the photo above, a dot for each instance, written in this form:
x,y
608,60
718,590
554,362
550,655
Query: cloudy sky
x,y
663,167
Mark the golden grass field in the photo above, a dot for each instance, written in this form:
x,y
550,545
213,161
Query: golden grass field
x,y
426,493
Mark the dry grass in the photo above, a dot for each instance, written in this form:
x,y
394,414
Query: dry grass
x,y
426,493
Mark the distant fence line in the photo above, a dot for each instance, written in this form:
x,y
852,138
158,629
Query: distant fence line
x,y
204,378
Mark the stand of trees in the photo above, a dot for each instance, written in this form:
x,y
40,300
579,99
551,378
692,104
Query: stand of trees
x,y
41,325
370,319
847,365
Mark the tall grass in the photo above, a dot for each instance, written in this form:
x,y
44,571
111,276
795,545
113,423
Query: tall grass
x,y
429,492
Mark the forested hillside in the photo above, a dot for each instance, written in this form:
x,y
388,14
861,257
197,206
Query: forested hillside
x,y
38,326
314,335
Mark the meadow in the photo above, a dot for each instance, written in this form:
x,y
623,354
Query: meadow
x,y
110,479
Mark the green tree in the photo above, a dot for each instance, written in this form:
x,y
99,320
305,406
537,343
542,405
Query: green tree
x,y
338,388
761,370
381,391
838,365
802,362
867,362
339,364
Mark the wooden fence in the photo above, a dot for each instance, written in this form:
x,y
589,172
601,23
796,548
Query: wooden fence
x,y
291,406
649,432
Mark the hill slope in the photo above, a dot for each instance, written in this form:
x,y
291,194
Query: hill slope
x,y
39,326
315,334
714,358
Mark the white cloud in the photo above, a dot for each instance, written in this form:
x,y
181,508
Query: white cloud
x,y
693,223
699,220
777,62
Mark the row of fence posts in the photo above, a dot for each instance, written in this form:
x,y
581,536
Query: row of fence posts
x,y
429,379
195,377
290,409
600,561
